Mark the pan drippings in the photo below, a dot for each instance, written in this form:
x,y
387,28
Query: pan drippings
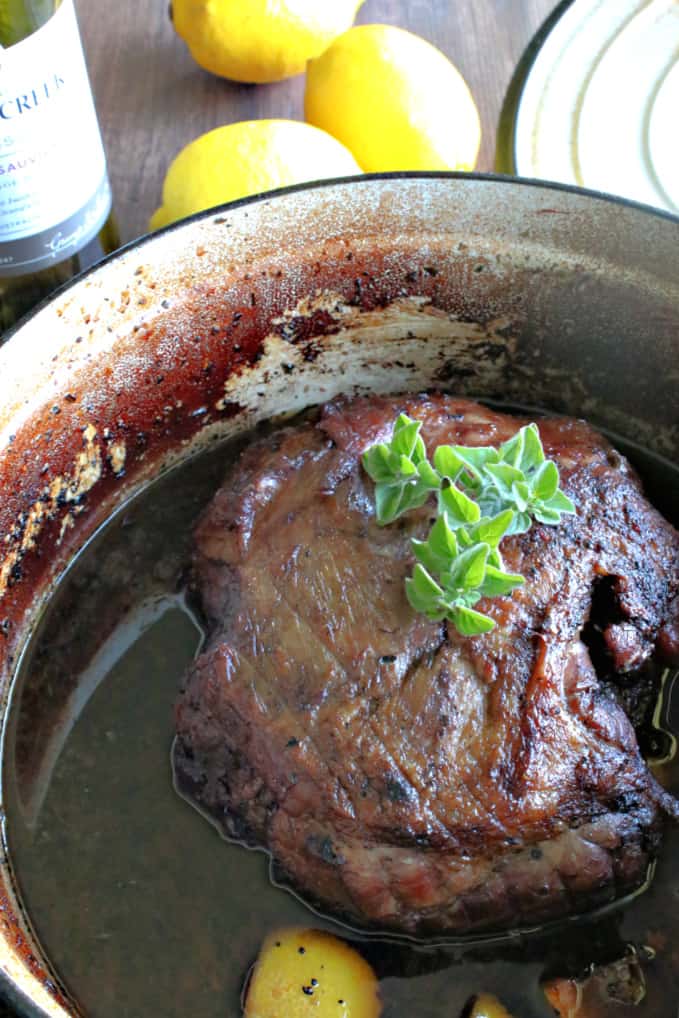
x,y
143,908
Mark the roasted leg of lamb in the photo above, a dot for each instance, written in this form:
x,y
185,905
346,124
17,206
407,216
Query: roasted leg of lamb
x,y
400,774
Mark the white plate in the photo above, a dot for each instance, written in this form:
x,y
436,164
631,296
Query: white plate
x,y
599,106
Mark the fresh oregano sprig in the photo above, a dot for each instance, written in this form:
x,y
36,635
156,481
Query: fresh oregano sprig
x,y
465,571
483,494
404,478
516,476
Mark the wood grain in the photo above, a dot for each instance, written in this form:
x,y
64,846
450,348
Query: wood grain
x,y
153,99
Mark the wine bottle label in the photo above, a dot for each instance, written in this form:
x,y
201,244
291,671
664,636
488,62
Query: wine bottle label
x,y
54,190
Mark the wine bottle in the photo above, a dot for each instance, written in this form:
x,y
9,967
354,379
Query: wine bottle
x,y
55,196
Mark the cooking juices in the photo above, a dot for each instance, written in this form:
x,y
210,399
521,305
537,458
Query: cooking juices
x,y
142,907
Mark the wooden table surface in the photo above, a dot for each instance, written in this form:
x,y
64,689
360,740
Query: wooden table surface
x,y
153,99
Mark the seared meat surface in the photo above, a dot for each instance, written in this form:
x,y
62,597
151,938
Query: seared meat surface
x,y
399,773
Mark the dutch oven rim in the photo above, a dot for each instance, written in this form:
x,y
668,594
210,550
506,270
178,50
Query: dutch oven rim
x,y
139,242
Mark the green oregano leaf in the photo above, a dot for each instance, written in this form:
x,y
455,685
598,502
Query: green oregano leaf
x,y
492,529
440,548
549,516
442,540
447,462
519,525
511,452
471,623
475,458
424,584
545,481
428,475
424,594
521,495
483,495
503,476
561,503
469,568
533,453
406,433
376,463
388,502
458,507
406,468
497,583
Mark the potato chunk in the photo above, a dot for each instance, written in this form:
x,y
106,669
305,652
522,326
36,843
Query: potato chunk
x,y
602,991
487,1006
565,996
302,973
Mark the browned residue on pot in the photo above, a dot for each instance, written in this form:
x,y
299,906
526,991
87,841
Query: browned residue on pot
x,y
312,338
63,490
117,453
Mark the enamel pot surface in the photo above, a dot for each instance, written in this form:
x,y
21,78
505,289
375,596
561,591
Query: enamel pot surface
x,y
521,293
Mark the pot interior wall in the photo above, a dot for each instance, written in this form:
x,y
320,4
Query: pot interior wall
x,y
517,294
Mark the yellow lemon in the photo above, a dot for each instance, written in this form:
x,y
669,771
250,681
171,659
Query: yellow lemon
x,y
246,158
259,40
395,100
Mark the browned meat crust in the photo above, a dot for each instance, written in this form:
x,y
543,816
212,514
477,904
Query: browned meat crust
x,y
398,772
